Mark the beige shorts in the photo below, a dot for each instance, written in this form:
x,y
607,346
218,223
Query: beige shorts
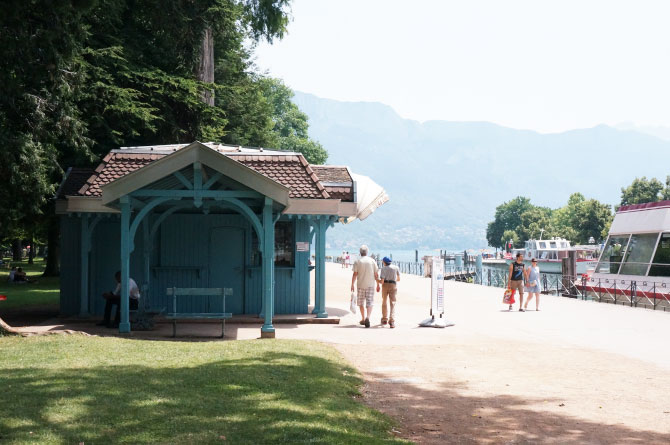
x,y
518,285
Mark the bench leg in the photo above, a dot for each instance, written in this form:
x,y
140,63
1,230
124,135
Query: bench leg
x,y
223,328
174,328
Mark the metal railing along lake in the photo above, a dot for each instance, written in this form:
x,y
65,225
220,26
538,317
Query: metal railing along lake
x,y
633,293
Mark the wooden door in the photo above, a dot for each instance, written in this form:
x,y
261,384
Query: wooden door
x,y
226,264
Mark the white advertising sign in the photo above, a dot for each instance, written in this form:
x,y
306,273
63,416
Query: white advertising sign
x,y
437,286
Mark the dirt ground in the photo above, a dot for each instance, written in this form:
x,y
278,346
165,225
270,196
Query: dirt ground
x,y
575,372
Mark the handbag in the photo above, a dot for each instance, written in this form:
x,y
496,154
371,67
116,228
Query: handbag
x,y
353,305
508,298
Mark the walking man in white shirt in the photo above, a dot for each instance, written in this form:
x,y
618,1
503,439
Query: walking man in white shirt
x,y
366,277
114,298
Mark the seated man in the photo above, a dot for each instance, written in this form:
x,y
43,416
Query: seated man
x,y
114,298
11,274
21,277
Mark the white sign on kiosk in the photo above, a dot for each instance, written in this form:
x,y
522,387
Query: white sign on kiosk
x,y
436,296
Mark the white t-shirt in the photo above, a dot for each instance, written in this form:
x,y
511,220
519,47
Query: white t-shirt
x,y
389,272
132,285
366,268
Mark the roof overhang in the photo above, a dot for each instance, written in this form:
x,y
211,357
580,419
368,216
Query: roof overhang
x,y
643,220
195,152
84,204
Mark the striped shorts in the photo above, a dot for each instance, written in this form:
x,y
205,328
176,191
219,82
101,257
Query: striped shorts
x,y
366,296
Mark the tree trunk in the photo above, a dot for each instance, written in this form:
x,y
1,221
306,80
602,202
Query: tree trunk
x,y
17,250
52,268
6,329
31,251
205,70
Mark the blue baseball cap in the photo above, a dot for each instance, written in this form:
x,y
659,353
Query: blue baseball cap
x,y
387,260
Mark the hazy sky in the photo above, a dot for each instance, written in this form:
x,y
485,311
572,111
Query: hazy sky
x,y
543,65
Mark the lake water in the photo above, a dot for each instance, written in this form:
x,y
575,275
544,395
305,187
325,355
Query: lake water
x,y
397,255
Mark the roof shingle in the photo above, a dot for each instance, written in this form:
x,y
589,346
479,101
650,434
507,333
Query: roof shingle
x,y
292,171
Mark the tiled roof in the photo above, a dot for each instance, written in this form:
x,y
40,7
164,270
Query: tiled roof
x,y
336,180
74,179
114,166
290,170
333,173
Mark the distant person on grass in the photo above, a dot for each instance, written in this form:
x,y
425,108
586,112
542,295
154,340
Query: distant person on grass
x,y
389,276
365,276
114,298
533,280
21,277
516,276
11,274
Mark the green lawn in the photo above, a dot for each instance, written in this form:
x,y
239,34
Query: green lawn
x,y
72,389
43,293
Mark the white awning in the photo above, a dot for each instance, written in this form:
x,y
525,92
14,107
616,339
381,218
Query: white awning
x,y
369,196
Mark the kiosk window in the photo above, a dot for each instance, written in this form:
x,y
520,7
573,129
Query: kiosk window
x,y
284,244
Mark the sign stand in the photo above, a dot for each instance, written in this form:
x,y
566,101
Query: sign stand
x,y
436,297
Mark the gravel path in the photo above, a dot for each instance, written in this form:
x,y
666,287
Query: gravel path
x,y
575,372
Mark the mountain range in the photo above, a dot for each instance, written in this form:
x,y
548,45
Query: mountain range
x,y
445,179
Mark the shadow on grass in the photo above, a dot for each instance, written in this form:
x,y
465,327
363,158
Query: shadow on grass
x,y
274,397
443,414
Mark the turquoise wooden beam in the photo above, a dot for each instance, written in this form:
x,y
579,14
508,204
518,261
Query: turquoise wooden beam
x,y
84,254
268,330
136,203
212,181
140,216
124,326
164,215
183,180
147,244
87,229
246,210
197,184
215,194
320,273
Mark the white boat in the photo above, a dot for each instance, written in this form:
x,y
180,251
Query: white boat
x,y
634,266
549,254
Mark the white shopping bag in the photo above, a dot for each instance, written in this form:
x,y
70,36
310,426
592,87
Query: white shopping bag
x,y
353,303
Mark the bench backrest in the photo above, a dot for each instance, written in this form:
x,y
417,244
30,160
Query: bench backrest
x,y
198,292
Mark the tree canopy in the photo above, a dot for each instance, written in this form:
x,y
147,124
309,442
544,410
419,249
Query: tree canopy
x,y
578,221
81,77
645,190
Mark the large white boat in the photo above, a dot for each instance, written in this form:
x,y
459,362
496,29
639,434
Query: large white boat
x,y
634,266
550,253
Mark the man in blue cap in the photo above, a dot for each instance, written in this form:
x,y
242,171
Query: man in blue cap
x,y
389,276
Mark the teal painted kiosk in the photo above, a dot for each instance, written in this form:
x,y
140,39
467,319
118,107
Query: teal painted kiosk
x,y
201,215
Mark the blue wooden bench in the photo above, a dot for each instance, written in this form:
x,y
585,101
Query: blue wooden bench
x,y
220,292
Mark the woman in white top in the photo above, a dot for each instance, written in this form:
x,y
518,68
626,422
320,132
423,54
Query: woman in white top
x,y
533,284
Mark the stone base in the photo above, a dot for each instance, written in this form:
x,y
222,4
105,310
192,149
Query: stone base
x,y
433,322
267,334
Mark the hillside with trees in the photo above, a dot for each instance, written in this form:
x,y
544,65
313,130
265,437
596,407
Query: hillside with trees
x,y
446,178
